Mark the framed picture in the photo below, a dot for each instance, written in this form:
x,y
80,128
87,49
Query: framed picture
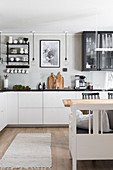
x,y
49,53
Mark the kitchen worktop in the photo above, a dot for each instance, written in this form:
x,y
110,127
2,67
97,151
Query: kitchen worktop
x,y
36,90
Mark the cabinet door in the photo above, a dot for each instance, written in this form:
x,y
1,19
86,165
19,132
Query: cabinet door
x,y
55,99
90,56
3,116
30,99
56,115
12,108
30,116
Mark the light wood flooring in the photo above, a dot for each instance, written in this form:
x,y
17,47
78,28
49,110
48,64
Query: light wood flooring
x,y
60,151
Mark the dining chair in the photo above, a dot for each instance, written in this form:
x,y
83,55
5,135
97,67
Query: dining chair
x,y
110,95
90,96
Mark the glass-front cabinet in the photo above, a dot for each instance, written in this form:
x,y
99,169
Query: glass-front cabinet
x,y
97,50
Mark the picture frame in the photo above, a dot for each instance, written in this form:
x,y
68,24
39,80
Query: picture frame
x,y
49,53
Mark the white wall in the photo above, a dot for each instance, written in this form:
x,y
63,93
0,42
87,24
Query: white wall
x,y
37,74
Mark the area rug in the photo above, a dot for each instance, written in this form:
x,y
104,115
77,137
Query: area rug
x,y
28,150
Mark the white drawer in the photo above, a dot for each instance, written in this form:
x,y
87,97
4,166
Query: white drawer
x,y
30,99
30,116
55,99
56,116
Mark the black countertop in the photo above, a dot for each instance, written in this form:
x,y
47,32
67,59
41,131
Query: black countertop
x,y
36,90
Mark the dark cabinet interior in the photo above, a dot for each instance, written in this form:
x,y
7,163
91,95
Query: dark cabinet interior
x,y
97,50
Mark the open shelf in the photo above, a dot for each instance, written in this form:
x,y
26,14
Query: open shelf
x,y
17,43
17,54
17,66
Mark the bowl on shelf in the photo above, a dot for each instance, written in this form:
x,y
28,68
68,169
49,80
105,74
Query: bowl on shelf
x,y
11,58
17,59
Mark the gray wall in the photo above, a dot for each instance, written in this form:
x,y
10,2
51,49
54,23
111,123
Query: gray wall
x,y
37,74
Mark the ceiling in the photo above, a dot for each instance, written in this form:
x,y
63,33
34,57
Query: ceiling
x,y
55,15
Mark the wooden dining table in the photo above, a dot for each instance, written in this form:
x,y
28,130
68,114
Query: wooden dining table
x,y
94,105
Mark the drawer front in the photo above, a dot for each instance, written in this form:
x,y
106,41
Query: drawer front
x,y
54,99
30,99
30,116
56,116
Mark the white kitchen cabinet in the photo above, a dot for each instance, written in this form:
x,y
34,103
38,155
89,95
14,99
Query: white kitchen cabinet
x,y
3,111
30,108
30,99
30,116
56,115
54,110
12,108
55,99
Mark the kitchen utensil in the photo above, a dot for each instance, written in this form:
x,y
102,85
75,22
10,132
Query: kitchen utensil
x,y
60,81
51,82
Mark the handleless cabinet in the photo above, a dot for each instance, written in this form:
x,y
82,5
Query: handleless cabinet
x,y
30,108
12,108
54,110
3,116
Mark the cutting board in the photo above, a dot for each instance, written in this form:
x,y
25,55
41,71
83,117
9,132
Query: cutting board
x,y
51,82
60,81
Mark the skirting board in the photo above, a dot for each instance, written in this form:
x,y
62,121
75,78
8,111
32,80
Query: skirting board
x,y
35,125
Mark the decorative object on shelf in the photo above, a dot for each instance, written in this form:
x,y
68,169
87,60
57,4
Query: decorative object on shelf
x,y
60,81
13,50
11,58
5,82
50,53
51,82
21,50
21,87
10,39
20,40
15,41
25,40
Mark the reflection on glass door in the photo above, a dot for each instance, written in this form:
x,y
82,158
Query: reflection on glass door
x,y
91,54
107,60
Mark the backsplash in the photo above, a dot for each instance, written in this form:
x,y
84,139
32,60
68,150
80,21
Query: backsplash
x,y
37,74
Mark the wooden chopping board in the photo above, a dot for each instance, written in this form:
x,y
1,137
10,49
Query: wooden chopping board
x,y
51,82
60,81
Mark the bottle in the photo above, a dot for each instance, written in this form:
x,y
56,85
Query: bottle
x,y
44,86
39,86
5,82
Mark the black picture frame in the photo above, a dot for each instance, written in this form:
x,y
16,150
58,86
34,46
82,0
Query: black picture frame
x,y
49,53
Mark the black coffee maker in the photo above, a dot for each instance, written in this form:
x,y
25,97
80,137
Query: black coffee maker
x,y
82,82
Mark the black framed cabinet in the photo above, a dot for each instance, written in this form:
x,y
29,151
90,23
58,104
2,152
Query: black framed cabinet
x,y
97,50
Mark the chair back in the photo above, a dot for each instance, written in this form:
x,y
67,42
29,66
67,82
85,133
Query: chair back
x,y
90,96
110,95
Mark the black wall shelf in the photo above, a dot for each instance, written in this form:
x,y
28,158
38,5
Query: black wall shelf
x,y
9,54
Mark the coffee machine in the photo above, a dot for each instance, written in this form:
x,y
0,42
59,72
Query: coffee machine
x,y
80,82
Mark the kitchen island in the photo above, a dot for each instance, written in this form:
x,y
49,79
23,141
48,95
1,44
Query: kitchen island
x,y
90,146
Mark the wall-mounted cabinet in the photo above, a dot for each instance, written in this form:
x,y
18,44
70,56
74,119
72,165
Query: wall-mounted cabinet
x,y
97,50
17,55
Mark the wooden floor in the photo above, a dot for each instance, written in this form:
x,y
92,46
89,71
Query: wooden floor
x,y
60,151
